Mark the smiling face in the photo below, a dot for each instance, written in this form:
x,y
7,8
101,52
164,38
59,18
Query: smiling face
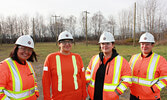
x,y
65,46
107,48
146,47
24,53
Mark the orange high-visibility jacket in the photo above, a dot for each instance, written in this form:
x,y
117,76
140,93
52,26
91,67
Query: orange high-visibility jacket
x,y
149,76
65,75
117,77
17,81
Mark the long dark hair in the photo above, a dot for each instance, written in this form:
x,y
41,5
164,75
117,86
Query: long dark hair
x,y
13,55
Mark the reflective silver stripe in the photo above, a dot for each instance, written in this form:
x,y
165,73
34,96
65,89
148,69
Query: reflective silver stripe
x,y
93,64
161,84
163,78
1,91
134,61
75,72
150,71
144,81
5,98
88,75
126,79
16,80
107,87
117,69
19,95
122,87
31,69
116,77
59,74
152,65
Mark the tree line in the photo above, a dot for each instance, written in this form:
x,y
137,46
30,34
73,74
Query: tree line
x,y
151,16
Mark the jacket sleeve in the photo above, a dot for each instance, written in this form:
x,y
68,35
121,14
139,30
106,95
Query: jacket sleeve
x,y
88,71
36,90
83,79
162,81
3,81
125,77
36,86
46,79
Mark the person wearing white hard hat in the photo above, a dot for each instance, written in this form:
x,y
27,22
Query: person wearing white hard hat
x,y
149,71
108,74
17,80
64,73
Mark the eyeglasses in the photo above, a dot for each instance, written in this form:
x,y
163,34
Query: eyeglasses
x,y
24,49
65,42
106,43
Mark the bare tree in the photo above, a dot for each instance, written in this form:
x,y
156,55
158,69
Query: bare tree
x,y
98,24
149,14
111,24
126,23
71,24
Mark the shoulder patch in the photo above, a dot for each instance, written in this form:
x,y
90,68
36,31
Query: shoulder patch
x,y
83,69
45,68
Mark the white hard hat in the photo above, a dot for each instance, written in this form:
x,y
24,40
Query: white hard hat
x,y
65,35
25,40
106,37
147,37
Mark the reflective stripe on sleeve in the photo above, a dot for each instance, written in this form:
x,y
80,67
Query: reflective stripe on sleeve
x,y
5,98
127,79
20,95
160,85
88,72
122,87
143,81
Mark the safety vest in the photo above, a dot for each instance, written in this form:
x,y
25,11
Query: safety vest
x,y
59,72
18,92
149,80
116,76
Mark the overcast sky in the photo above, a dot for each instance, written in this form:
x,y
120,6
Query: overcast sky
x,y
63,7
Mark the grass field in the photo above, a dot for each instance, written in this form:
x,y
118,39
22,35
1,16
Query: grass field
x,y
86,52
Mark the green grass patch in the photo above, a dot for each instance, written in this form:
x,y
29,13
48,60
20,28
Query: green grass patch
x,y
86,52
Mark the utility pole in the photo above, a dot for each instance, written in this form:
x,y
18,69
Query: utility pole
x,y
86,28
134,27
33,31
56,34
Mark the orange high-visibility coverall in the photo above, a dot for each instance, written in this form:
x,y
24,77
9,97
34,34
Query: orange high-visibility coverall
x,y
27,78
117,77
53,77
148,78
